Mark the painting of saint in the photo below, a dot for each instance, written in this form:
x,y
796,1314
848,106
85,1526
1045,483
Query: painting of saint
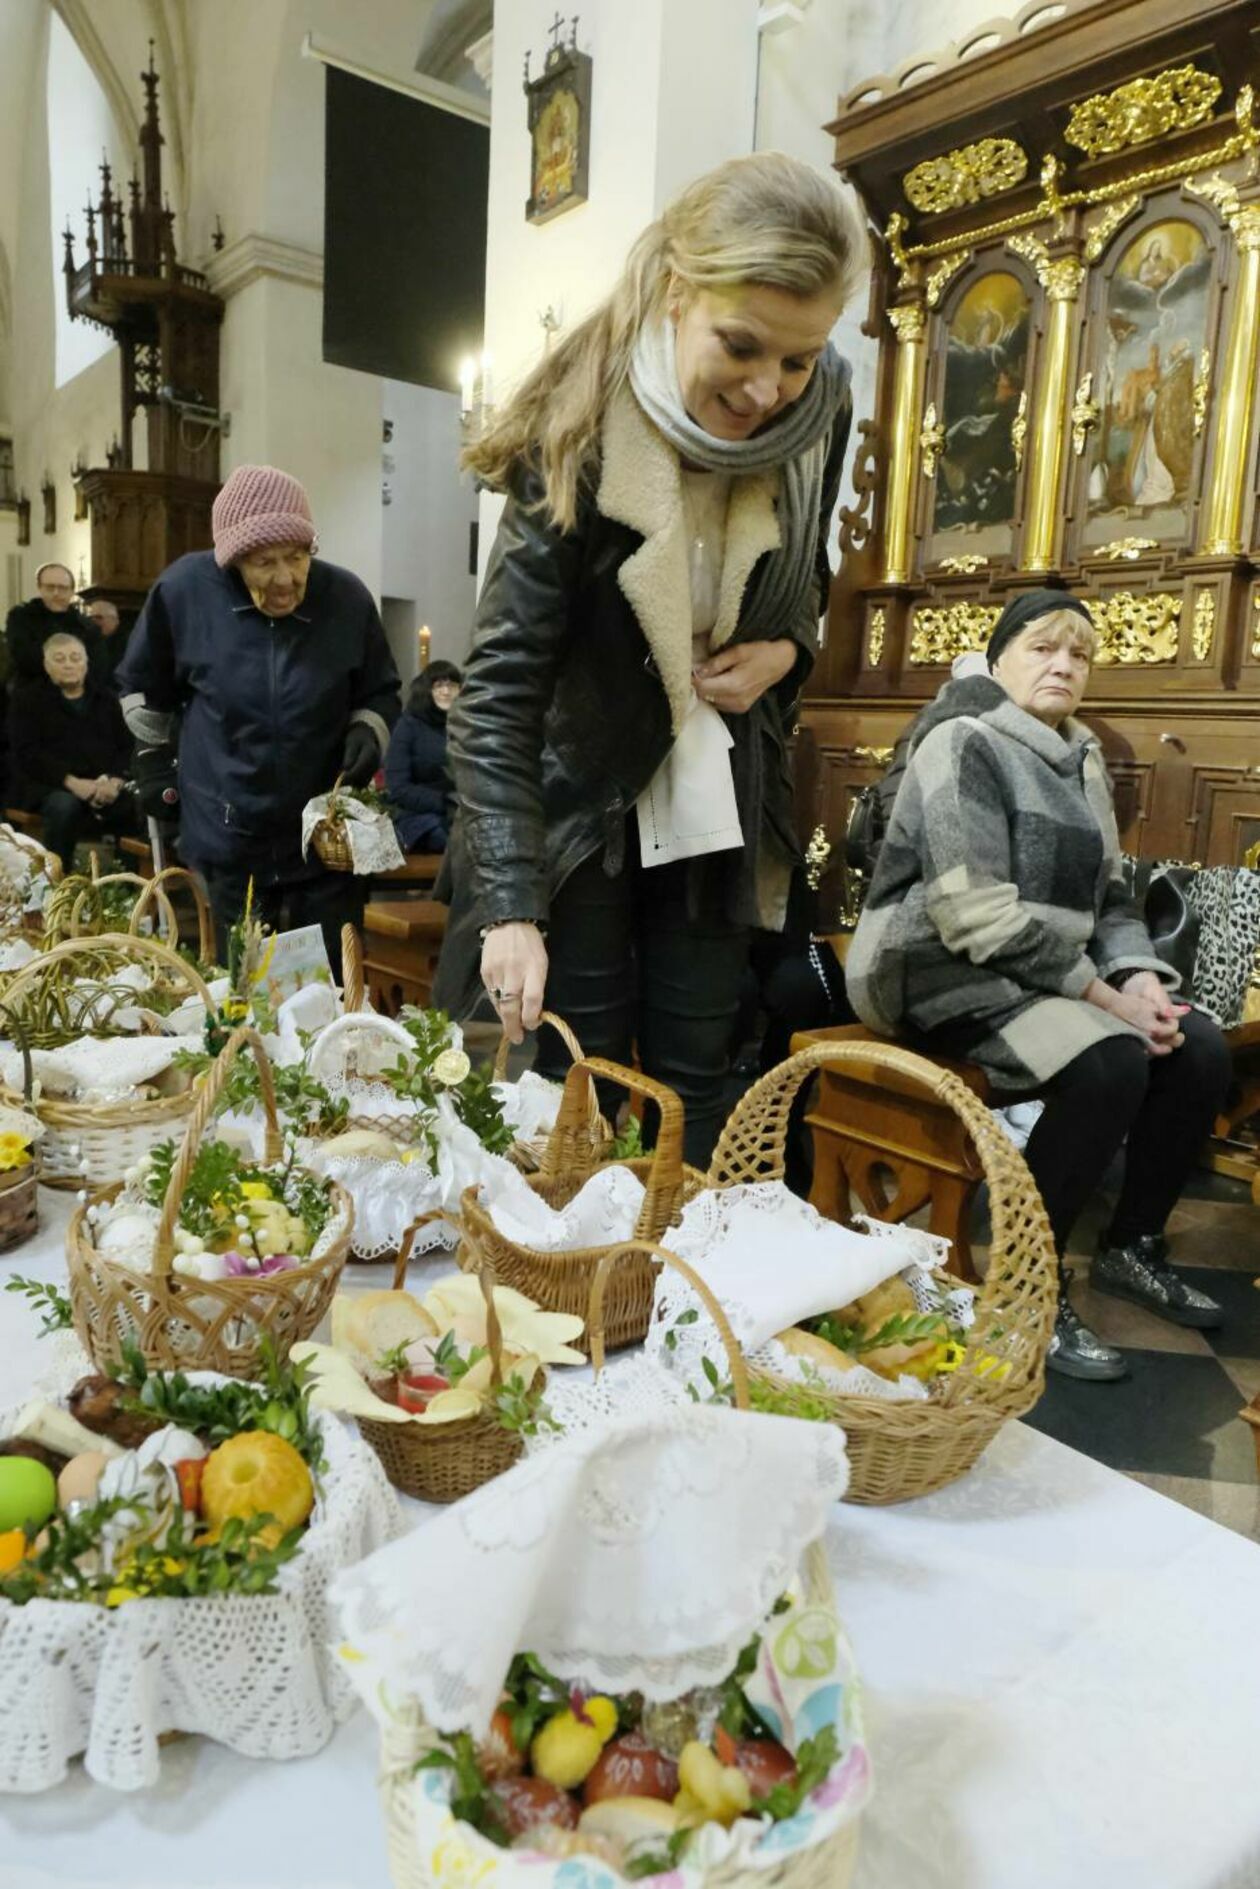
x,y
1142,450
985,363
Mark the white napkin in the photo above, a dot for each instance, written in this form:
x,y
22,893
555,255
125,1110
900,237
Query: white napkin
x,y
602,1213
688,807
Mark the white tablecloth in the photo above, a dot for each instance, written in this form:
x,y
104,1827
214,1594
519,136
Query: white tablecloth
x,y
1062,1675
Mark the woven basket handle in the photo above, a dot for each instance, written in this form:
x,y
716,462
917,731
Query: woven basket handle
x,y
595,1310
166,911
751,1148
561,1029
355,1022
110,943
155,888
202,1110
409,1239
573,1151
485,1278
351,971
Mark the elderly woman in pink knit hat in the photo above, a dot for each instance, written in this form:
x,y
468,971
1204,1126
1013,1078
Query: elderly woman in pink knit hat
x,y
273,667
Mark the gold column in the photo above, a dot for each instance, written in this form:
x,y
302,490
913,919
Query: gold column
x,y
1051,423
909,325
1222,529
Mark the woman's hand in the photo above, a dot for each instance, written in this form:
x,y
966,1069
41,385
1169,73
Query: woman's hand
x,y
739,676
80,788
1150,1011
514,971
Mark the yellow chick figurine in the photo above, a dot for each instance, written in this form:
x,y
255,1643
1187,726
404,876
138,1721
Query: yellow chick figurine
x,y
709,1791
567,1748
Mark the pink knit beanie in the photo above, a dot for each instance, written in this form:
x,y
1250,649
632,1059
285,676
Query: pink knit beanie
x,y
258,506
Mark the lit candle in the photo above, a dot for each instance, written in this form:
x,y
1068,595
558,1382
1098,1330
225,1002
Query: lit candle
x,y
424,638
467,383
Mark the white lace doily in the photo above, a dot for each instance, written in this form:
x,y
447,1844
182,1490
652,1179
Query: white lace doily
x,y
601,1213
530,1105
96,1069
370,835
253,1672
630,1556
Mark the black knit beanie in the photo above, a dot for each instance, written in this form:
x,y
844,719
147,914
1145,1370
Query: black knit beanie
x,y
1022,610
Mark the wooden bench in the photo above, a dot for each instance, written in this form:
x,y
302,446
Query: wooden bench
x,y
879,1139
401,942
419,870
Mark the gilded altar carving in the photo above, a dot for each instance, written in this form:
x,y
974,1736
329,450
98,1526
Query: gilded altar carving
x,y
1203,625
1019,430
939,278
817,853
1085,413
1059,276
965,565
1136,629
931,440
1101,231
908,321
941,634
1146,108
1127,549
875,637
972,172
1202,387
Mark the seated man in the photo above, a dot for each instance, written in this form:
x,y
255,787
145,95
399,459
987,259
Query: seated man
x,y
69,751
48,613
998,929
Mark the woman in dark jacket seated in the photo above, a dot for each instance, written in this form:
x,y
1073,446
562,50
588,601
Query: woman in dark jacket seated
x,y
416,776
70,751
998,929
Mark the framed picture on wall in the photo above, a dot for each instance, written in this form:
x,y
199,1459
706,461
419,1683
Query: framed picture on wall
x,y
559,132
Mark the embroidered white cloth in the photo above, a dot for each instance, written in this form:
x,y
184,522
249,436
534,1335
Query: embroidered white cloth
x,y
603,1211
96,1069
631,1556
688,807
530,1105
389,1195
370,835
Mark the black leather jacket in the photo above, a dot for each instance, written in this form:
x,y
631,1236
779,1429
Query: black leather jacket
x,y
563,720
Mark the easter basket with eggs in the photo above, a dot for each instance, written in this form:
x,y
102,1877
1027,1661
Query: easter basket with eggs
x,y
974,1359
445,1389
351,830
166,1545
205,1256
91,1011
579,1681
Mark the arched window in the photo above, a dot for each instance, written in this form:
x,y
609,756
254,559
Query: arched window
x,y
81,131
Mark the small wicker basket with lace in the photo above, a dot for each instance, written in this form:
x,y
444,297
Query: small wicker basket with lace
x,y
901,1450
181,1322
561,1281
329,838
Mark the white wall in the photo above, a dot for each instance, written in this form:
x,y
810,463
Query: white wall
x,y
426,526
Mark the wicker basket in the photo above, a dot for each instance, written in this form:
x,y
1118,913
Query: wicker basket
x,y
440,1462
901,1450
19,1187
200,1324
365,1024
38,854
93,1144
529,1155
561,1282
330,842
156,892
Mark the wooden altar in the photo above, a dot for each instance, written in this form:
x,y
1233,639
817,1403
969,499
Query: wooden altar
x,y
1067,302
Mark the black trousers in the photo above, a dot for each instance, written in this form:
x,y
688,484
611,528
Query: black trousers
x,y
630,966
1165,1105
331,900
67,820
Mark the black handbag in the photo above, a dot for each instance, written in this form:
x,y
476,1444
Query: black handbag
x,y
1159,892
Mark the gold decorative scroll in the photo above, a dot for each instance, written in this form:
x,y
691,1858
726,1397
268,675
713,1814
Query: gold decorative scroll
x,y
1203,625
1127,548
893,233
940,634
1019,430
931,441
1100,232
874,757
817,853
875,637
1222,511
1202,386
1143,109
1255,635
966,175
965,565
943,274
1086,413
1136,629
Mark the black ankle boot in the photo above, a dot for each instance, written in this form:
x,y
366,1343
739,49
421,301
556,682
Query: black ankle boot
x,y
1076,1351
1140,1271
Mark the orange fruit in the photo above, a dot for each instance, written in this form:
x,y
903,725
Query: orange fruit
x,y
12,1550
256,1473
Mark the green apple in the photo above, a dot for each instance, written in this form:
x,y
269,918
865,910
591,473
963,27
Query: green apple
x,y
28,1493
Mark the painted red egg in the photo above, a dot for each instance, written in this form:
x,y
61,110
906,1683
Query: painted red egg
x,y
500,1756
530,1803
765,1763
630,1767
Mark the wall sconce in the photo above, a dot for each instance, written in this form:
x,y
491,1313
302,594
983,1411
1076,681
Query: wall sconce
x,y
48,492
476,398
23,510
424,636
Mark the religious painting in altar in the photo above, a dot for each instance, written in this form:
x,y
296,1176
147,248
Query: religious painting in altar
x,y
983,403
1148,353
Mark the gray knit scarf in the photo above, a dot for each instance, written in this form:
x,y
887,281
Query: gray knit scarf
x,y
796,443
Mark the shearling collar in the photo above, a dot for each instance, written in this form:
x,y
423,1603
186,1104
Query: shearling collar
x,y
640,486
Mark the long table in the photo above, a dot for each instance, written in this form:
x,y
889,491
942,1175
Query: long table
x,y
1062,1676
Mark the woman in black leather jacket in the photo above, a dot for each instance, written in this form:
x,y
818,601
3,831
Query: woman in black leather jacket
x,y
648,617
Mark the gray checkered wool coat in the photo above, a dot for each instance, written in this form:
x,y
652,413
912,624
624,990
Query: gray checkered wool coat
x,y
997,897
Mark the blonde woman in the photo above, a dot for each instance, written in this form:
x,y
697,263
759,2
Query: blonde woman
x,y
648,617
997,928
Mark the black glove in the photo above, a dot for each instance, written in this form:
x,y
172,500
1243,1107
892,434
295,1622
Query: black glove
x,y
153,770
361,755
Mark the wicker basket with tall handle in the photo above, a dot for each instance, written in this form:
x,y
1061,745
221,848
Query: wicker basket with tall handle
x,y
900,1450
92,1144
561,1281
329,838
529,1155
183,1323
157,890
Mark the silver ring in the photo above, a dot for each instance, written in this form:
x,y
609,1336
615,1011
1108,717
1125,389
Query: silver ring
x,y
505,996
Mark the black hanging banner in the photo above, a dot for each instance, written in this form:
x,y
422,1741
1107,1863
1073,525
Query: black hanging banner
x,y
404,233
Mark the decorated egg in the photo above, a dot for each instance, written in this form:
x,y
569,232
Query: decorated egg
x,y
78,1480
28,1493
